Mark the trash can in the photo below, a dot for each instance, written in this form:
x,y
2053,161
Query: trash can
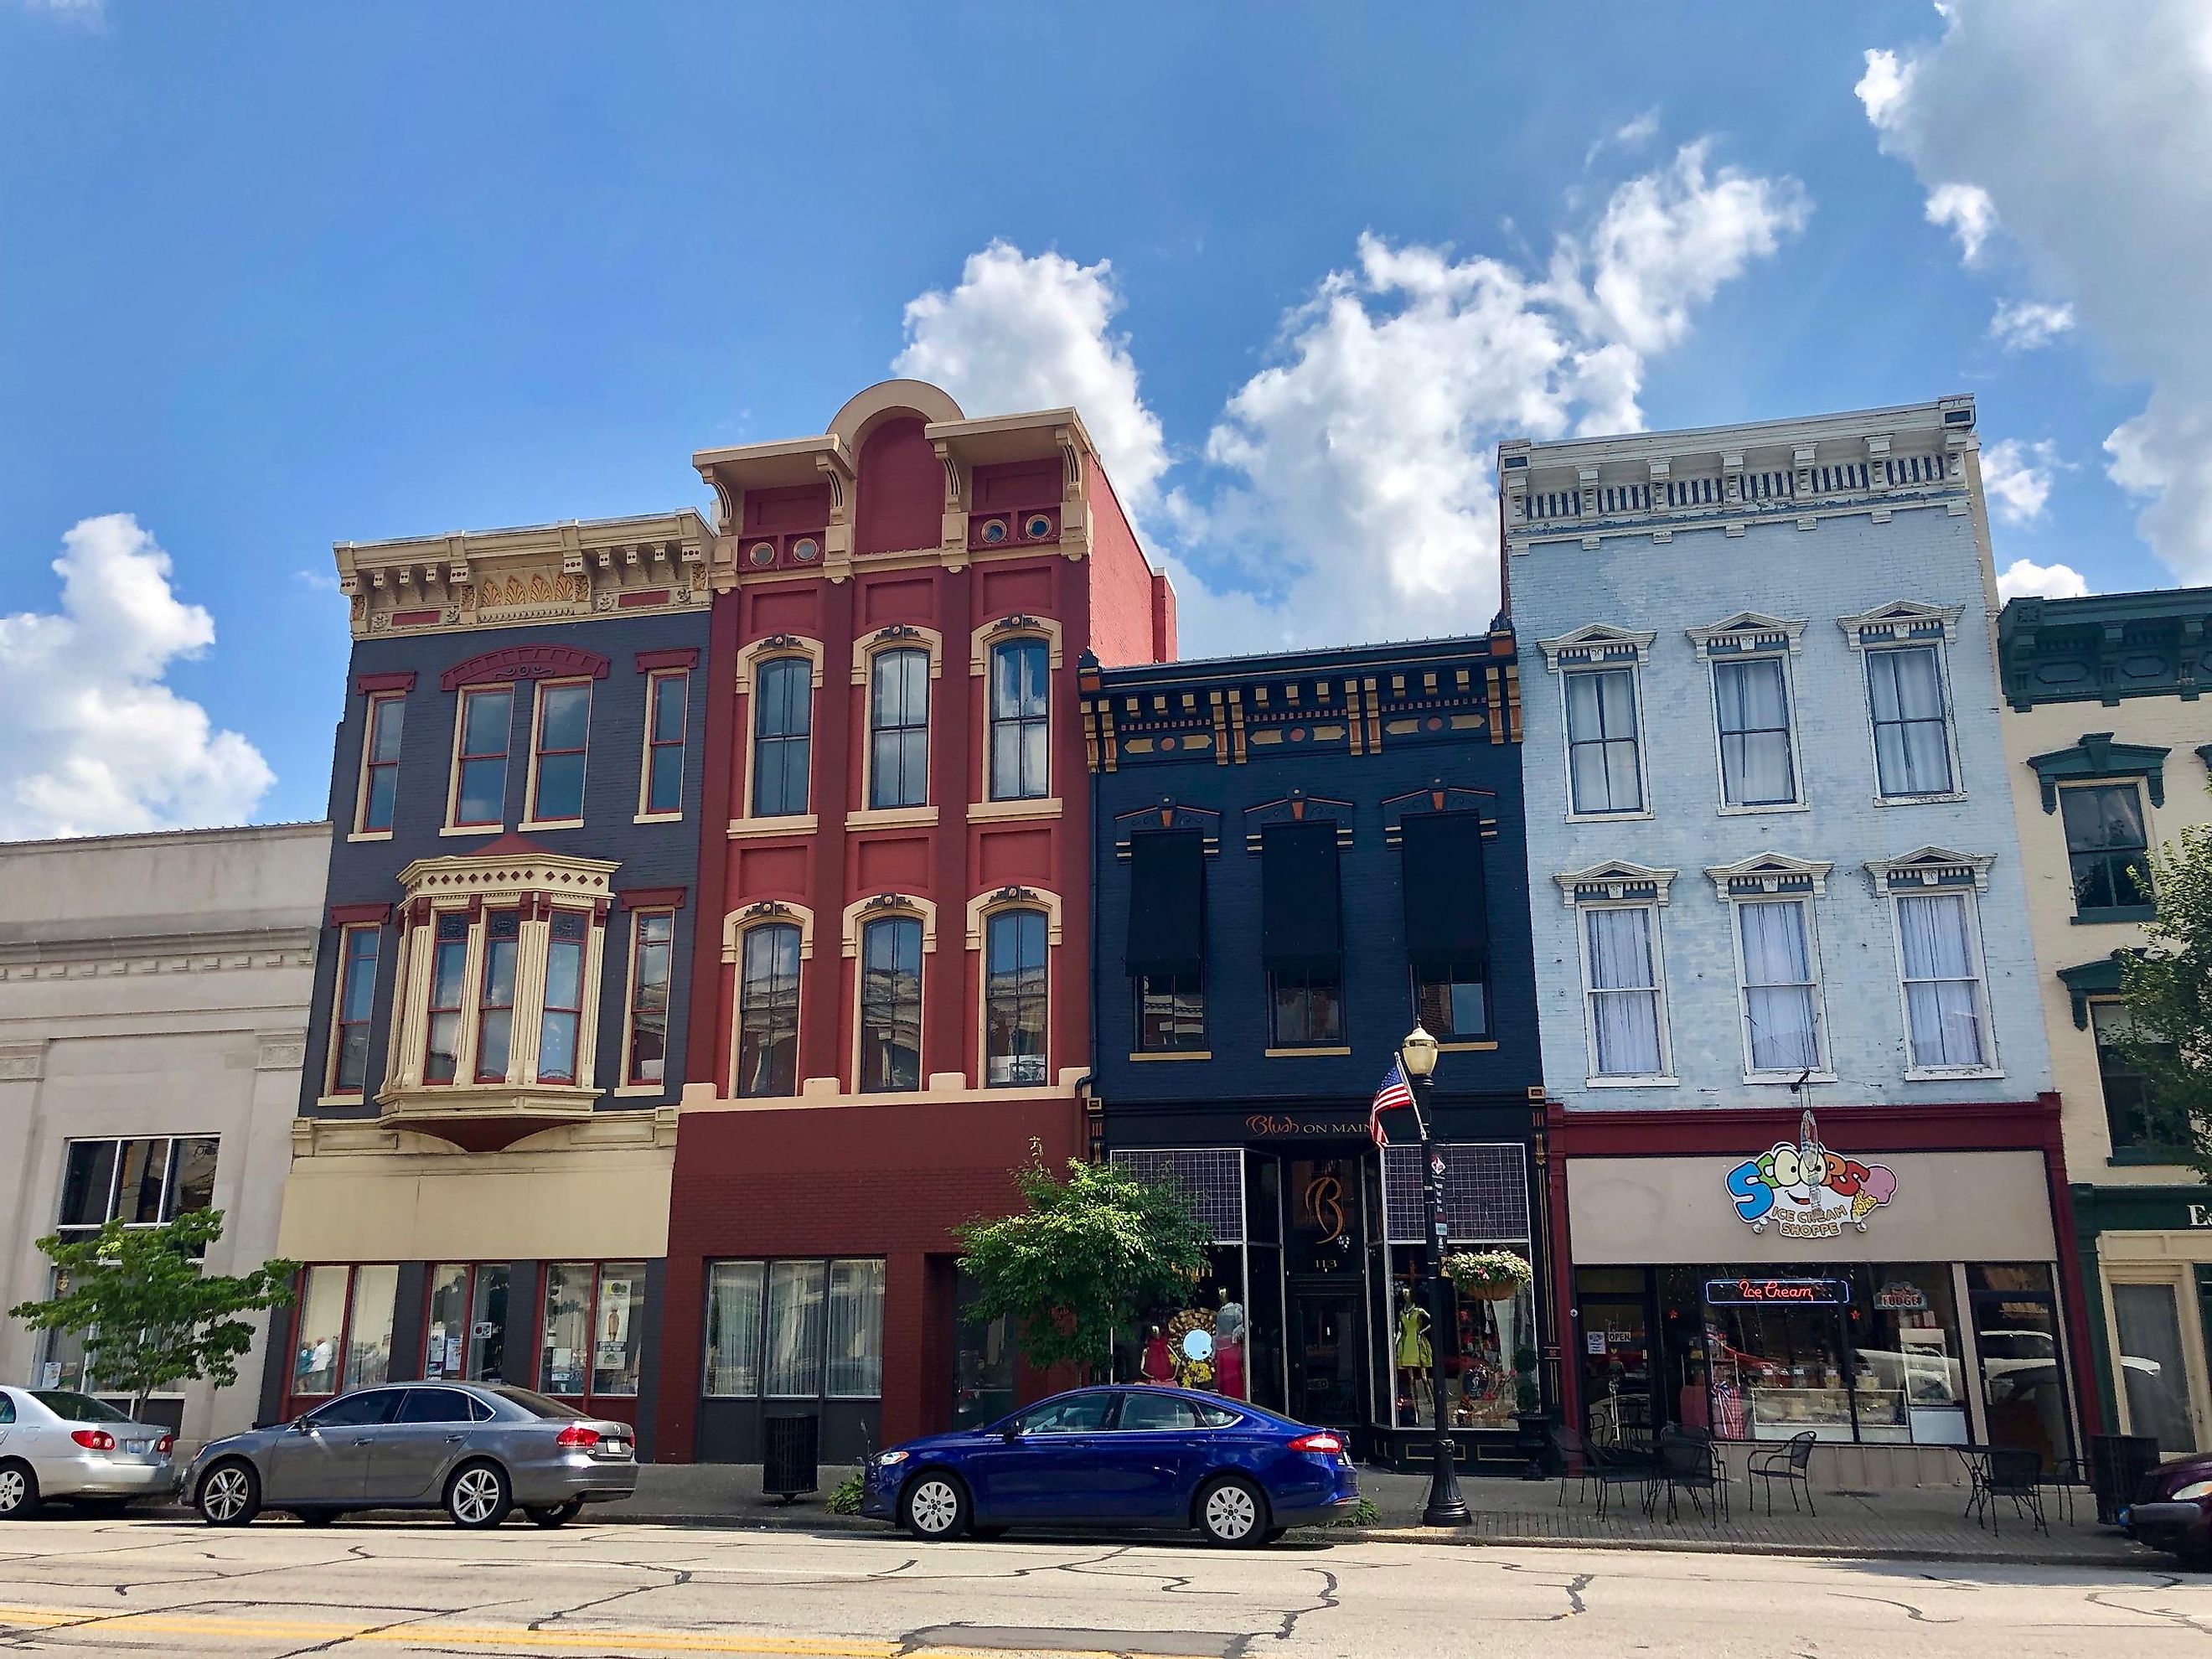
x,y
789,1453
2117,1463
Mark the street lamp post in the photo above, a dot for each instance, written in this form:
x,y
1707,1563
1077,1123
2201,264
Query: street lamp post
x,y
1445,1507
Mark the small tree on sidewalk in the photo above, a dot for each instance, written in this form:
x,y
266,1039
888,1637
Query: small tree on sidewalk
x,y
2167,989
148,1315
1088,1256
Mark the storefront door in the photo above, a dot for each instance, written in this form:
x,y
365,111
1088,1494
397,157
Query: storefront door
x,y
1329,1350
2023,1358
2154,1364
1618,1368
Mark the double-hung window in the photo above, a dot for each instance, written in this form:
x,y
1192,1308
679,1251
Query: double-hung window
x,y
358,946
1625,997
1020,721
557,751
1783,1029
783,729
384,718
1014,998
560,1029
1164,948
1912,721
1751,701
898,728
495,995
1301,935
140,1182
890,1005
449,957
1447,923
2107,846
594,1337
667,692
1946,1011
483,733
1604,771
767,1011
653,940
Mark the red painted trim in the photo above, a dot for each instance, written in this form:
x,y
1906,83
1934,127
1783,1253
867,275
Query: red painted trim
x,y
524,662
701,1045
2088,1402
1567,1332
350,915
414,618
651,898
1690,1132
686,657
643,597
364,683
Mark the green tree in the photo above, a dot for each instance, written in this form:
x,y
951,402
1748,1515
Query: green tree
x,y
2167,989
147,1313
1088,1257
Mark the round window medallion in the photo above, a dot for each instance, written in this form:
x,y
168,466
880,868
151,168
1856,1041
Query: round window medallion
x,y
806,550
994,529
1038,526
1168,743
1436,723
1298,734
762,553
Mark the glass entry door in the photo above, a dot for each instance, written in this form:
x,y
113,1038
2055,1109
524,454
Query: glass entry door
x,y
1328,1350
1617,1368
2022,1357
2153,1366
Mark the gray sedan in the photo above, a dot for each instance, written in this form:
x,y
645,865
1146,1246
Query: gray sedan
x,y
476,1450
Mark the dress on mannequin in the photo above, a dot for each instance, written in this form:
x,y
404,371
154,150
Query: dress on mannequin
x,y
1229,1348
1414,1352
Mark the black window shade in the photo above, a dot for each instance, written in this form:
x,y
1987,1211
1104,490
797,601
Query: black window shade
x,y
1300,930
1445,915
1167,903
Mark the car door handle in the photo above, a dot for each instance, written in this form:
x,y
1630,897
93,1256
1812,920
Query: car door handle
x,y
454,1439
366,1440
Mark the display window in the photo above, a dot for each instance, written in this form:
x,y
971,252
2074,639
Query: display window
x,y
1907,1378
464,1335
342,1327
2023,1359
593,1339
1485,1338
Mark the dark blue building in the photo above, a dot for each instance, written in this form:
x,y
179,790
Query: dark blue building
x,y
482,1162
1297,856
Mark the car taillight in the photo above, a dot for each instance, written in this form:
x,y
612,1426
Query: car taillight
x,y
94,1439
1323,1442
576,1435
166,1444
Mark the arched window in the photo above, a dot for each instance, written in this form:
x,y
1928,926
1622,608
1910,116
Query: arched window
x,y
1020,722
767,1012
891,1005
1014,998
783,729
898,728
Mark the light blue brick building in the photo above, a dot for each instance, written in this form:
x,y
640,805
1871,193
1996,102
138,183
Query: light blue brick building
x,y
1774,871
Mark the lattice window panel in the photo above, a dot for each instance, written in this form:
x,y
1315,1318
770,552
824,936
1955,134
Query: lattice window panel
x,y
1213,1176
1486,1193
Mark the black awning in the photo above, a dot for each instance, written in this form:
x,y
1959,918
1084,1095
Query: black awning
x,y
1167,903
1446,917
1299,921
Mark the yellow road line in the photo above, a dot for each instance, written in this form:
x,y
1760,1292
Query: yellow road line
x,y
496,1636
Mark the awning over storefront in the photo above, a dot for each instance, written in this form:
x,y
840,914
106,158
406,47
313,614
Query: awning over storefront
x,y
1167,903
1300,925
1446,916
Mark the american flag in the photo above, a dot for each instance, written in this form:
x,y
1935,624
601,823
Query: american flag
x,y
1393,1095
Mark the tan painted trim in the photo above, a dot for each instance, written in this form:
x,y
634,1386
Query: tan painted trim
x,y
1176,1054
1012,811
981,641
1013,898
887,904
370,702
652,679
898,637
794,644
748,659
1466,1048
891,817
827,1101
1303,1053
623,1085
791,823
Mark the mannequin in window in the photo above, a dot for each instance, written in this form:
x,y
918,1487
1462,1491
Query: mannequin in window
x,y
1412,1351
1229,1347
1158,1363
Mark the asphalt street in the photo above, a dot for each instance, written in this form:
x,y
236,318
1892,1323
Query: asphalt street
x,y
280,1589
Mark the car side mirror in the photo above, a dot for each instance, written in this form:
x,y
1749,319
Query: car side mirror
x,y
1011,1436
300,1426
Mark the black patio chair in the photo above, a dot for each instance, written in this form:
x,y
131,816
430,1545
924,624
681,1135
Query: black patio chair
x,y
1688,1462
2065,1476
2016,1474
1605,1468
1576,1462
1791,1464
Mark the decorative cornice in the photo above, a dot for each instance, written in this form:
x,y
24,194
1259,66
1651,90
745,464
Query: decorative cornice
x,y
2097,757
1932,866
1615,881
1766,874
1744,633
2106,648
492,874
185,953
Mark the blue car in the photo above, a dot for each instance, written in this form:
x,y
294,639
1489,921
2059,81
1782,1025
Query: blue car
x,y
1138,1457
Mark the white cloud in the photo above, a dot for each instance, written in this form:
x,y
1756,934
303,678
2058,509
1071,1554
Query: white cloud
x,y
2017,479
2027,324
93,13
1968,212
2024,579
1021,332
2090,145
1630,135
94,742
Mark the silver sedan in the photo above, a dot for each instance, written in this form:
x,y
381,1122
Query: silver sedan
x,y
477,1450
57,1442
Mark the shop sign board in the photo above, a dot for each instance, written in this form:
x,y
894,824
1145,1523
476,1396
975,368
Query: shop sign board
x,y
1808,1191
1901,1295
1777,1292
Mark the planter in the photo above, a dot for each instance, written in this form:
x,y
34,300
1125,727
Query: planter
x,y
1534,1443
1492,1289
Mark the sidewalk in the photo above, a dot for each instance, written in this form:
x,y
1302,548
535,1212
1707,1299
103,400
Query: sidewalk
x,y
1904,1525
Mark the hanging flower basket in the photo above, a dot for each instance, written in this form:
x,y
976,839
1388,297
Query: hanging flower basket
x,y
1488,1275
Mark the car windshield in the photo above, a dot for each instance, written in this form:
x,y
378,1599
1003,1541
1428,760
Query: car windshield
x,y
536,1404
77,1408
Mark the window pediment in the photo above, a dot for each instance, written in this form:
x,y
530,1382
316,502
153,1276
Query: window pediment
x,y
1596,644
1932,866
1613,881
509,868
1746,632
860,912
514,663
2085,981
1770,873
2096,756
1902,621
767,912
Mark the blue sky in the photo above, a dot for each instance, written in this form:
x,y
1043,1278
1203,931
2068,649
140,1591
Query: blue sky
x,y
272,276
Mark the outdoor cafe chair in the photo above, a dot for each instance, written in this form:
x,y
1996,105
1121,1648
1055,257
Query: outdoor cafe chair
x,y
1791,1464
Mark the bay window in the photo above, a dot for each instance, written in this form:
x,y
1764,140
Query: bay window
x,y
495,997
558,1033
449,955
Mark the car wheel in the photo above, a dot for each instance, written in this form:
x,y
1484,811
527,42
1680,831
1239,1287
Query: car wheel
x,y
477,1496
322,1517
229,1494
1232,1512
19,1491
555,1515
935,1507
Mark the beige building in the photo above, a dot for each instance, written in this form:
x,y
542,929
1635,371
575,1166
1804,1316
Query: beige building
x,y
2108,741
153,994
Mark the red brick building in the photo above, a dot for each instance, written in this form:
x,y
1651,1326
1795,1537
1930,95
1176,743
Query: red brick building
x,y
893,979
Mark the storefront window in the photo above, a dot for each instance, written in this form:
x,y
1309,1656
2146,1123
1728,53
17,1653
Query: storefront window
x,y
618,1332
856,1330
321,1322
466,1336
369,1328
568,1328
1482,1365
1906,1381
1776,1356
2154,1375
1617,1353
792,1330
2023,1368
734,1328
795,1291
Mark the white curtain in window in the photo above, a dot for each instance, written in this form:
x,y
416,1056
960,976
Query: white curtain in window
x,y
1602,741
1753,702
1778,987
794,1327
1623,993
856,1330
1911,749
734,1328
1942,998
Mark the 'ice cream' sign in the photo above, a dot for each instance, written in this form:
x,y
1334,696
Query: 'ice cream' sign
x,y
1808,1191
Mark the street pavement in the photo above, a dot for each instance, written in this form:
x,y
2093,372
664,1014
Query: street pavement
x,y
279,1588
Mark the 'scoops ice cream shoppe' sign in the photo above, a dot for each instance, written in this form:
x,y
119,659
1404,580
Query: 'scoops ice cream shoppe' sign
x,y
1806,1191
